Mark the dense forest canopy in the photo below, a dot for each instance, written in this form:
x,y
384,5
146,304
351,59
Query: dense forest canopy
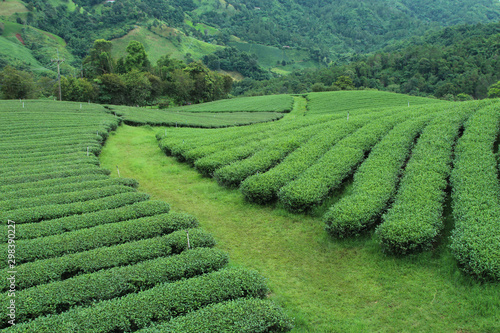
x,y
456,60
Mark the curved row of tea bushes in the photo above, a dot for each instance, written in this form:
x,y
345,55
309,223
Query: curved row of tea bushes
x,y
70,265
208,164
475,241
89,220
313,186
242,315
31,170
279,132
66,188
78,157
66,141
64,198
55,150
49,175
107,284
232,175
100,236
36,214
415,219
178,143
49,182
160,303
87,160
375,182
263,188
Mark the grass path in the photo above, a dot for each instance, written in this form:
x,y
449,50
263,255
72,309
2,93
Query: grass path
x,y
328,286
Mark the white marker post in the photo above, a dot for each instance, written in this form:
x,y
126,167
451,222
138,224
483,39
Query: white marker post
x,y
187,234
118,170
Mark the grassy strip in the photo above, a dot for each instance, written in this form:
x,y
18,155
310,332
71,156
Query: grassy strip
x,y
107,284
161,303
61,268
476,203
241,315
36,214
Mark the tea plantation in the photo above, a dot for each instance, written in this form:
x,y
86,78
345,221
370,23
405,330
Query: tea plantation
x,y
398,154
88,253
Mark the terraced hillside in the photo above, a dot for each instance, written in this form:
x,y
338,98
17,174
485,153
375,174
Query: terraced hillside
x,y
87,253
399,160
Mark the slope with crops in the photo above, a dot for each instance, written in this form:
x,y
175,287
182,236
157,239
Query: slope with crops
x,y
87,253
397,154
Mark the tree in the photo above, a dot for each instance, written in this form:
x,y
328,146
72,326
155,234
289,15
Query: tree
x,y
99,60
494,90
136,59
16,84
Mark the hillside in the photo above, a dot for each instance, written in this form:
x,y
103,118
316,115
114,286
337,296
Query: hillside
x,y
296,34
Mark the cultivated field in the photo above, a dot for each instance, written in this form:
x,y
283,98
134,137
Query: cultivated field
x,y
88,253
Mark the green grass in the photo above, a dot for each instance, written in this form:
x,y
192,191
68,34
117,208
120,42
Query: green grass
x,y
159,44
340,101
15,52
10,7
327,285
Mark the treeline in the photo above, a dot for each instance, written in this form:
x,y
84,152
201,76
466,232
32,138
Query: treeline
x,y
452,63
231,59
130,80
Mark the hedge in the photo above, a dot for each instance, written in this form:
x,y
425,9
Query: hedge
x,y
86,160
375,182
51,182
245,315
161,303
100,236
313,186
89,220
65,198
415,219
67,266
263,188
107,284
36,214
65,188
51,175
475,241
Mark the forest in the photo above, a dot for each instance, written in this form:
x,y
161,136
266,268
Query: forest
x,y
456,61
129,80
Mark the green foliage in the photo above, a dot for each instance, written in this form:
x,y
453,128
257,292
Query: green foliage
x,y
89,220
82,290
16,84
375,182
160,303
494,90
415,219
60,268
247,315
64,198
103,235
476,205
36,214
